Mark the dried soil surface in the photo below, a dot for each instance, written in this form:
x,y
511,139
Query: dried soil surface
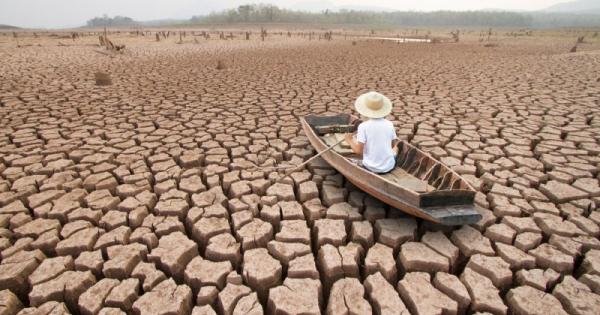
x,y
140,197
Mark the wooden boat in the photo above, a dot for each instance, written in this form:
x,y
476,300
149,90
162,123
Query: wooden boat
x,y
420,185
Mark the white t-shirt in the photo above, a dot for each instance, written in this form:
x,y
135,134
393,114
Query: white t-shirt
x,y
377,136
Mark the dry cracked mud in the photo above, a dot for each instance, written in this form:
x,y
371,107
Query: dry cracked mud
x,y
141,197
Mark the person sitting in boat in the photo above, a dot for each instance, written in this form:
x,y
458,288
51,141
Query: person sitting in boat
x,y
375,136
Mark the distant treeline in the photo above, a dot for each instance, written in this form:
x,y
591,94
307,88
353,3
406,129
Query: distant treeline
x,y
273,14
8,27
264,14
107,21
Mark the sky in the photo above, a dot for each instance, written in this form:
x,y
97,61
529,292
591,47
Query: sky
x,y
73,13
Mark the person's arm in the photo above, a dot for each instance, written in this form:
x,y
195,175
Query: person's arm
x,y
357,147
395,139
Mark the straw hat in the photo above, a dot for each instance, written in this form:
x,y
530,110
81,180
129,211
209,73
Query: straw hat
x,y
373,105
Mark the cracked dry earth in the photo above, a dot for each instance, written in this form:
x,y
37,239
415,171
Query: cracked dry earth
x,y
141,198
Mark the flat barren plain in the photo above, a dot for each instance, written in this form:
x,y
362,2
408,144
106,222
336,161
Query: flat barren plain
x,y
142,197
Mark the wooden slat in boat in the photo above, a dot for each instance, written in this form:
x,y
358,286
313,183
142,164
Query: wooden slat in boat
x,y
342,148
420,185
403,178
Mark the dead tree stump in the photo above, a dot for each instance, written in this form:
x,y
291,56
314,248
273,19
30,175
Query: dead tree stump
x,y
263,34
456,36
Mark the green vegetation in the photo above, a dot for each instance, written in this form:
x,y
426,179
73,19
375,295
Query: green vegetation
x,y
261,13
8,27
107,21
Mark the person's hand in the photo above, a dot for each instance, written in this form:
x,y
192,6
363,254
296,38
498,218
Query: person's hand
x,y
348,137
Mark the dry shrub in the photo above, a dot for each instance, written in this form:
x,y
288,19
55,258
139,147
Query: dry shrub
x,y
220,65
106,43
102,79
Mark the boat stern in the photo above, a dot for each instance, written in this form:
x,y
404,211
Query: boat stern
x,y
454,214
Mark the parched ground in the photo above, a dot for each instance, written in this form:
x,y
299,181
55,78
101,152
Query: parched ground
x,y
141,197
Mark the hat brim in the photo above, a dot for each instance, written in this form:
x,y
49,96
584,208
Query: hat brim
x,y
361,107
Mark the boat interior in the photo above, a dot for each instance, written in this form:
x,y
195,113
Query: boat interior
x,y
415,170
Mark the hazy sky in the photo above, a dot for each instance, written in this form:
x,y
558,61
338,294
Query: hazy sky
x,y
67,13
